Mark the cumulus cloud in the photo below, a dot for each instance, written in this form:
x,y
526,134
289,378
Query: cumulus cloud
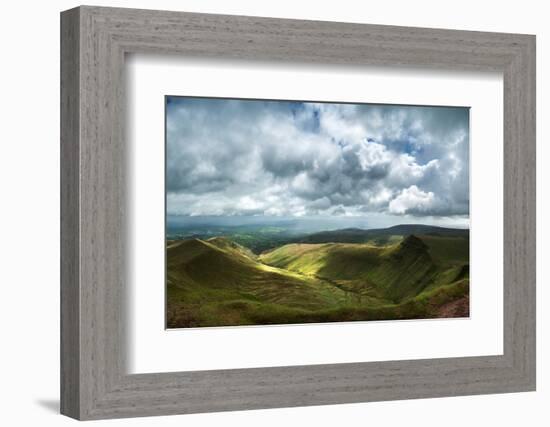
x,y
412,199
239,157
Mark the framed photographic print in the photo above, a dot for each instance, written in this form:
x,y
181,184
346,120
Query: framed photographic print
x,y
282,212
263,213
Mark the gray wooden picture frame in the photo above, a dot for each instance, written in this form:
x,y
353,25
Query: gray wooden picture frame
x,y
94,382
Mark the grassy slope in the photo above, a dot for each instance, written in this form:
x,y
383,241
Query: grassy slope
x,y
394,272
217,282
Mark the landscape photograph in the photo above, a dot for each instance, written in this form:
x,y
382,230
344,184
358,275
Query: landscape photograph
x,y
294,212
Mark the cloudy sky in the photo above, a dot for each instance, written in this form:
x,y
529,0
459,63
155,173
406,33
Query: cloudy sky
x,y
386,164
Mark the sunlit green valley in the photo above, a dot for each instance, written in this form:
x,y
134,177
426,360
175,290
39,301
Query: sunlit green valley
x,y
402,272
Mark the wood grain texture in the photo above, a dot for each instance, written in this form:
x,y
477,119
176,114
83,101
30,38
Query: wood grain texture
x,y
70,315
94,235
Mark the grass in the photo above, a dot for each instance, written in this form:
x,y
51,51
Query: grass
x,y
218,282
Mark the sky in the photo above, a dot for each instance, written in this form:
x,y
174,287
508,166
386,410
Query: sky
x,y
254,159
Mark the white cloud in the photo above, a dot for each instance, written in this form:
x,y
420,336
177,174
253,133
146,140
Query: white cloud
x,y
412,199
229,157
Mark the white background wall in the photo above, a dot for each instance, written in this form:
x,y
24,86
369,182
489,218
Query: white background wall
x,y
29,212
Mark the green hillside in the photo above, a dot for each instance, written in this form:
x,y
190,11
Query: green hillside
x,y
393,272
217,282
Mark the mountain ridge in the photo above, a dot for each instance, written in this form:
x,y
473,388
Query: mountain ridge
x,y
360,235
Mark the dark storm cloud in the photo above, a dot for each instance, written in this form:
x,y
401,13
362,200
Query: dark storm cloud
x,y
236,157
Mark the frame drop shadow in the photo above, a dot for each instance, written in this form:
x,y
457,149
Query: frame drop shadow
x,y
52,405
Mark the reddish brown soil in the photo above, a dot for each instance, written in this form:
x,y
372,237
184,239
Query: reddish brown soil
x,y
456,308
